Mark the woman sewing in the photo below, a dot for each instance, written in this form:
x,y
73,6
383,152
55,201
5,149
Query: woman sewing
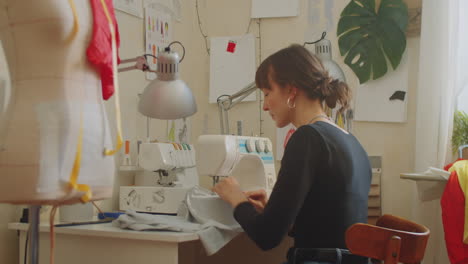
x,y
324,180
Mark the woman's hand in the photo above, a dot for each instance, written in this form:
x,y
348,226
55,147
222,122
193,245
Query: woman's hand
x,y
258,199
229,190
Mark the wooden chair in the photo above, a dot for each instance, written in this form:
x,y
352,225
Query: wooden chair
x,y
392,239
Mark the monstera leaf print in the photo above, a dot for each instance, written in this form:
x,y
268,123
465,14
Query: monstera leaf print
x,y
368,38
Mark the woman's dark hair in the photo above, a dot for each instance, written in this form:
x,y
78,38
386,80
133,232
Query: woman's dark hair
x,y
296,66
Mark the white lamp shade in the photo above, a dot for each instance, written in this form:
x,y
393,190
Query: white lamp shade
x,y
334,70
323,50
167,100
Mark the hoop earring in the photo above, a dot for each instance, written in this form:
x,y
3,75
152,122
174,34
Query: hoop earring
x,y
288,102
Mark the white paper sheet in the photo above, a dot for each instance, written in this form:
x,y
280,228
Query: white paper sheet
x,y
133,7
232,65
173,7
275,8
282,138
374,98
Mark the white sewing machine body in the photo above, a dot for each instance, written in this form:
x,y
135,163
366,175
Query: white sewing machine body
x,y
248,159
167,173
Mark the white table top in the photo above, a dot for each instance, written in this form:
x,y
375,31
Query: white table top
x,y
107,230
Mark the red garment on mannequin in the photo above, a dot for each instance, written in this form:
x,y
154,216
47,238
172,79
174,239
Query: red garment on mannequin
x,y
453,218
99,51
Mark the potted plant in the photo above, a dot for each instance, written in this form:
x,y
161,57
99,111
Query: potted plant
x,y
460,130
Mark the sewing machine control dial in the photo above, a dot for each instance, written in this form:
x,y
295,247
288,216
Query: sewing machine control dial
x,y
250,145
268,146
260,145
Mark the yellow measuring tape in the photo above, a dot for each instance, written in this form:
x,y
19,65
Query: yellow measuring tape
x,y
73,184
116,84
76,25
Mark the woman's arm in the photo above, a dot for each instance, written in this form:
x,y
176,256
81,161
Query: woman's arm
x,y
302,156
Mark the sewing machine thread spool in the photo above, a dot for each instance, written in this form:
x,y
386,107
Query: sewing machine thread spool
x,y
126,160
239,127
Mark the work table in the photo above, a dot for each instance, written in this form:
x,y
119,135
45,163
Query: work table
x,y
110,231
104,243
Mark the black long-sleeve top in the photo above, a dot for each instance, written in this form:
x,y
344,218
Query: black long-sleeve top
x,y
322,188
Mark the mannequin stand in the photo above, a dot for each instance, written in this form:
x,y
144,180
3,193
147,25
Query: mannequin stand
x,y
34,233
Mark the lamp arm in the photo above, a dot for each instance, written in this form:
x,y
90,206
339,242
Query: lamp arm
x,y
141,64
226,102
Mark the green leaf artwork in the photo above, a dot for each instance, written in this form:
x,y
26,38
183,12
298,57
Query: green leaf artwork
x,y
368,38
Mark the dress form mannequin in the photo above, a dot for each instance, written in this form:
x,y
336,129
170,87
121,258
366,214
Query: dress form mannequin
x,y
57,98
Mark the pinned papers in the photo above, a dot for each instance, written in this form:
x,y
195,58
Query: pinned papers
x,y
232,65
384,99
275,8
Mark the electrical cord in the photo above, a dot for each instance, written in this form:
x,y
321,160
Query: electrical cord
x,y
168,48
313,42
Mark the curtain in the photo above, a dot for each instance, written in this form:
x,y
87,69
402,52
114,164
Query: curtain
x,y
442,45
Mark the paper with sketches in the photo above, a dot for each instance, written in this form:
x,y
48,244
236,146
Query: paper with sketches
x,y
158,32
384,99
282,137
232,65
179,130
274,8
132,7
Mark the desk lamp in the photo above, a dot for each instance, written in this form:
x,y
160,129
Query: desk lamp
x,y
166,97
323,51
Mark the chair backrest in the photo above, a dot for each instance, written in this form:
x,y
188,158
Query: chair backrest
x,y
392,239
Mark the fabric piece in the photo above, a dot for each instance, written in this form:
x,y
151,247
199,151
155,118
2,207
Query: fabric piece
x,y
213,235
322,189
99,51
148,222
453,217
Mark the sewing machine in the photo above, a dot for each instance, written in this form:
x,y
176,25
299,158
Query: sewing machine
x,y
248,159
167,173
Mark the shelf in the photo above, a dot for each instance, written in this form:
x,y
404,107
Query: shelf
x,y
422,177
130,168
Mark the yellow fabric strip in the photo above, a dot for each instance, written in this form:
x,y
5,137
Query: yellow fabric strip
x,y
73,184
461,167
76,25
108,152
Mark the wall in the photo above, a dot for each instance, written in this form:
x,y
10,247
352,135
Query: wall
x,y
225,18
